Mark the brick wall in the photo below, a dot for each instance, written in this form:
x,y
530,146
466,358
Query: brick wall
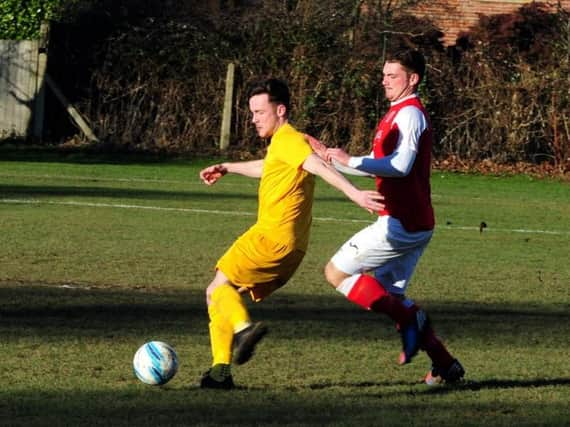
x,y
455,16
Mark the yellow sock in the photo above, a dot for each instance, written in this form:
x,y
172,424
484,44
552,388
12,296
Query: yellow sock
x,y
230,304
221,336
228,315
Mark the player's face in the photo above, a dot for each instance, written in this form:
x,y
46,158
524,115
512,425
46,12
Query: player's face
x,y
266,116
398,83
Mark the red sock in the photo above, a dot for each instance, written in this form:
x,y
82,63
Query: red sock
x,y
435,349
367,292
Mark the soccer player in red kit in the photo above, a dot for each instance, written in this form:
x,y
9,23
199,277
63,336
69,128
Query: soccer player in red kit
x,y
391,247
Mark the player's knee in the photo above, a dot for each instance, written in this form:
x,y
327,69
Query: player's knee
x,y
219,280
333,275
210,290
208,293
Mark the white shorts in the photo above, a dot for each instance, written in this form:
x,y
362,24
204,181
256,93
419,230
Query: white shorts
x,y
386,248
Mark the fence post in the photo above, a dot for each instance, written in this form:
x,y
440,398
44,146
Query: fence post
x,y
227,114
40,83
71,110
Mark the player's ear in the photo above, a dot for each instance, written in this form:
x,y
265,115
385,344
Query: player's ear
x,y
281,110
414,78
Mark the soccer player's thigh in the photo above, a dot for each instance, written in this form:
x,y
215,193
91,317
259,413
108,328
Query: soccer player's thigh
x,y
259,264
365,251
395,275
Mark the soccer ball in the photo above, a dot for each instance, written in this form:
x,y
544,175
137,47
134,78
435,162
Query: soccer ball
x,y
155,363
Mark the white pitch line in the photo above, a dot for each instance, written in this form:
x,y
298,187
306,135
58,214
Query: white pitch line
x,y
120,206
237,213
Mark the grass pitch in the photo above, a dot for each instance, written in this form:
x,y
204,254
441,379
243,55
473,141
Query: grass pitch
x,y
97,258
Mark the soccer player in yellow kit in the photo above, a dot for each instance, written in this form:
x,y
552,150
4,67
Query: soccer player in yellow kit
x,y
266,256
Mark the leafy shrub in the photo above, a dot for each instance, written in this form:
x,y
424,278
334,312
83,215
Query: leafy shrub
x,y
505,96
151,74
21,19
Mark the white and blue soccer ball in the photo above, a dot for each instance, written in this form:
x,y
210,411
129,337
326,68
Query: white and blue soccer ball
x,y
155,363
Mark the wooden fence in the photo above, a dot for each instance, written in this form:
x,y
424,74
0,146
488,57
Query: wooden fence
x,y
23,79
21,90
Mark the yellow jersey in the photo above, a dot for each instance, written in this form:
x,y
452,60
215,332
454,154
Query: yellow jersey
x,y
286,190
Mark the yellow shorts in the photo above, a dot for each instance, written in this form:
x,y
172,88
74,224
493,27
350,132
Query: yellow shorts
x,y
259,264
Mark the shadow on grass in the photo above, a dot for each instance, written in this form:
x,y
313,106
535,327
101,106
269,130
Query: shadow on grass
x,y
177,407
92,191
60,309
36,191
496,384
142,405
63,309
19,152
394,387
53,313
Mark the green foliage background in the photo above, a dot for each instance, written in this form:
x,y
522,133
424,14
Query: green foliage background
x,y
149,75
21,19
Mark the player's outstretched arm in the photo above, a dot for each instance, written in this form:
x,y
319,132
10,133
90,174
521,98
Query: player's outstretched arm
x,y
367,199
397,165
321,150
212,174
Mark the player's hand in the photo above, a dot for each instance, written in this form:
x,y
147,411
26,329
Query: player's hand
x,y
370,200
318,147
213,173
337,154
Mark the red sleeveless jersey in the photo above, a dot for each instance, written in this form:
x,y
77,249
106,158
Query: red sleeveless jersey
x,y
406,198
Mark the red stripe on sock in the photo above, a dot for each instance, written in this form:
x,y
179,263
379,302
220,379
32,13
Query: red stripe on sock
x,y
366,291
369,293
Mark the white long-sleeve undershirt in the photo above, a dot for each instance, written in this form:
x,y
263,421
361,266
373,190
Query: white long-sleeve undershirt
x,y
411,123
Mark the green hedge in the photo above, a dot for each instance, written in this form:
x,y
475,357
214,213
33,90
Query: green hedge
x,y
149,75
21,19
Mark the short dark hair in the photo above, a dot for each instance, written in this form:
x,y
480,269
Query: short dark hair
x,y
412,60
277,89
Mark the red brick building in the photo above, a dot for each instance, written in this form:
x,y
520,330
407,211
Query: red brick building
x,y
455,16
